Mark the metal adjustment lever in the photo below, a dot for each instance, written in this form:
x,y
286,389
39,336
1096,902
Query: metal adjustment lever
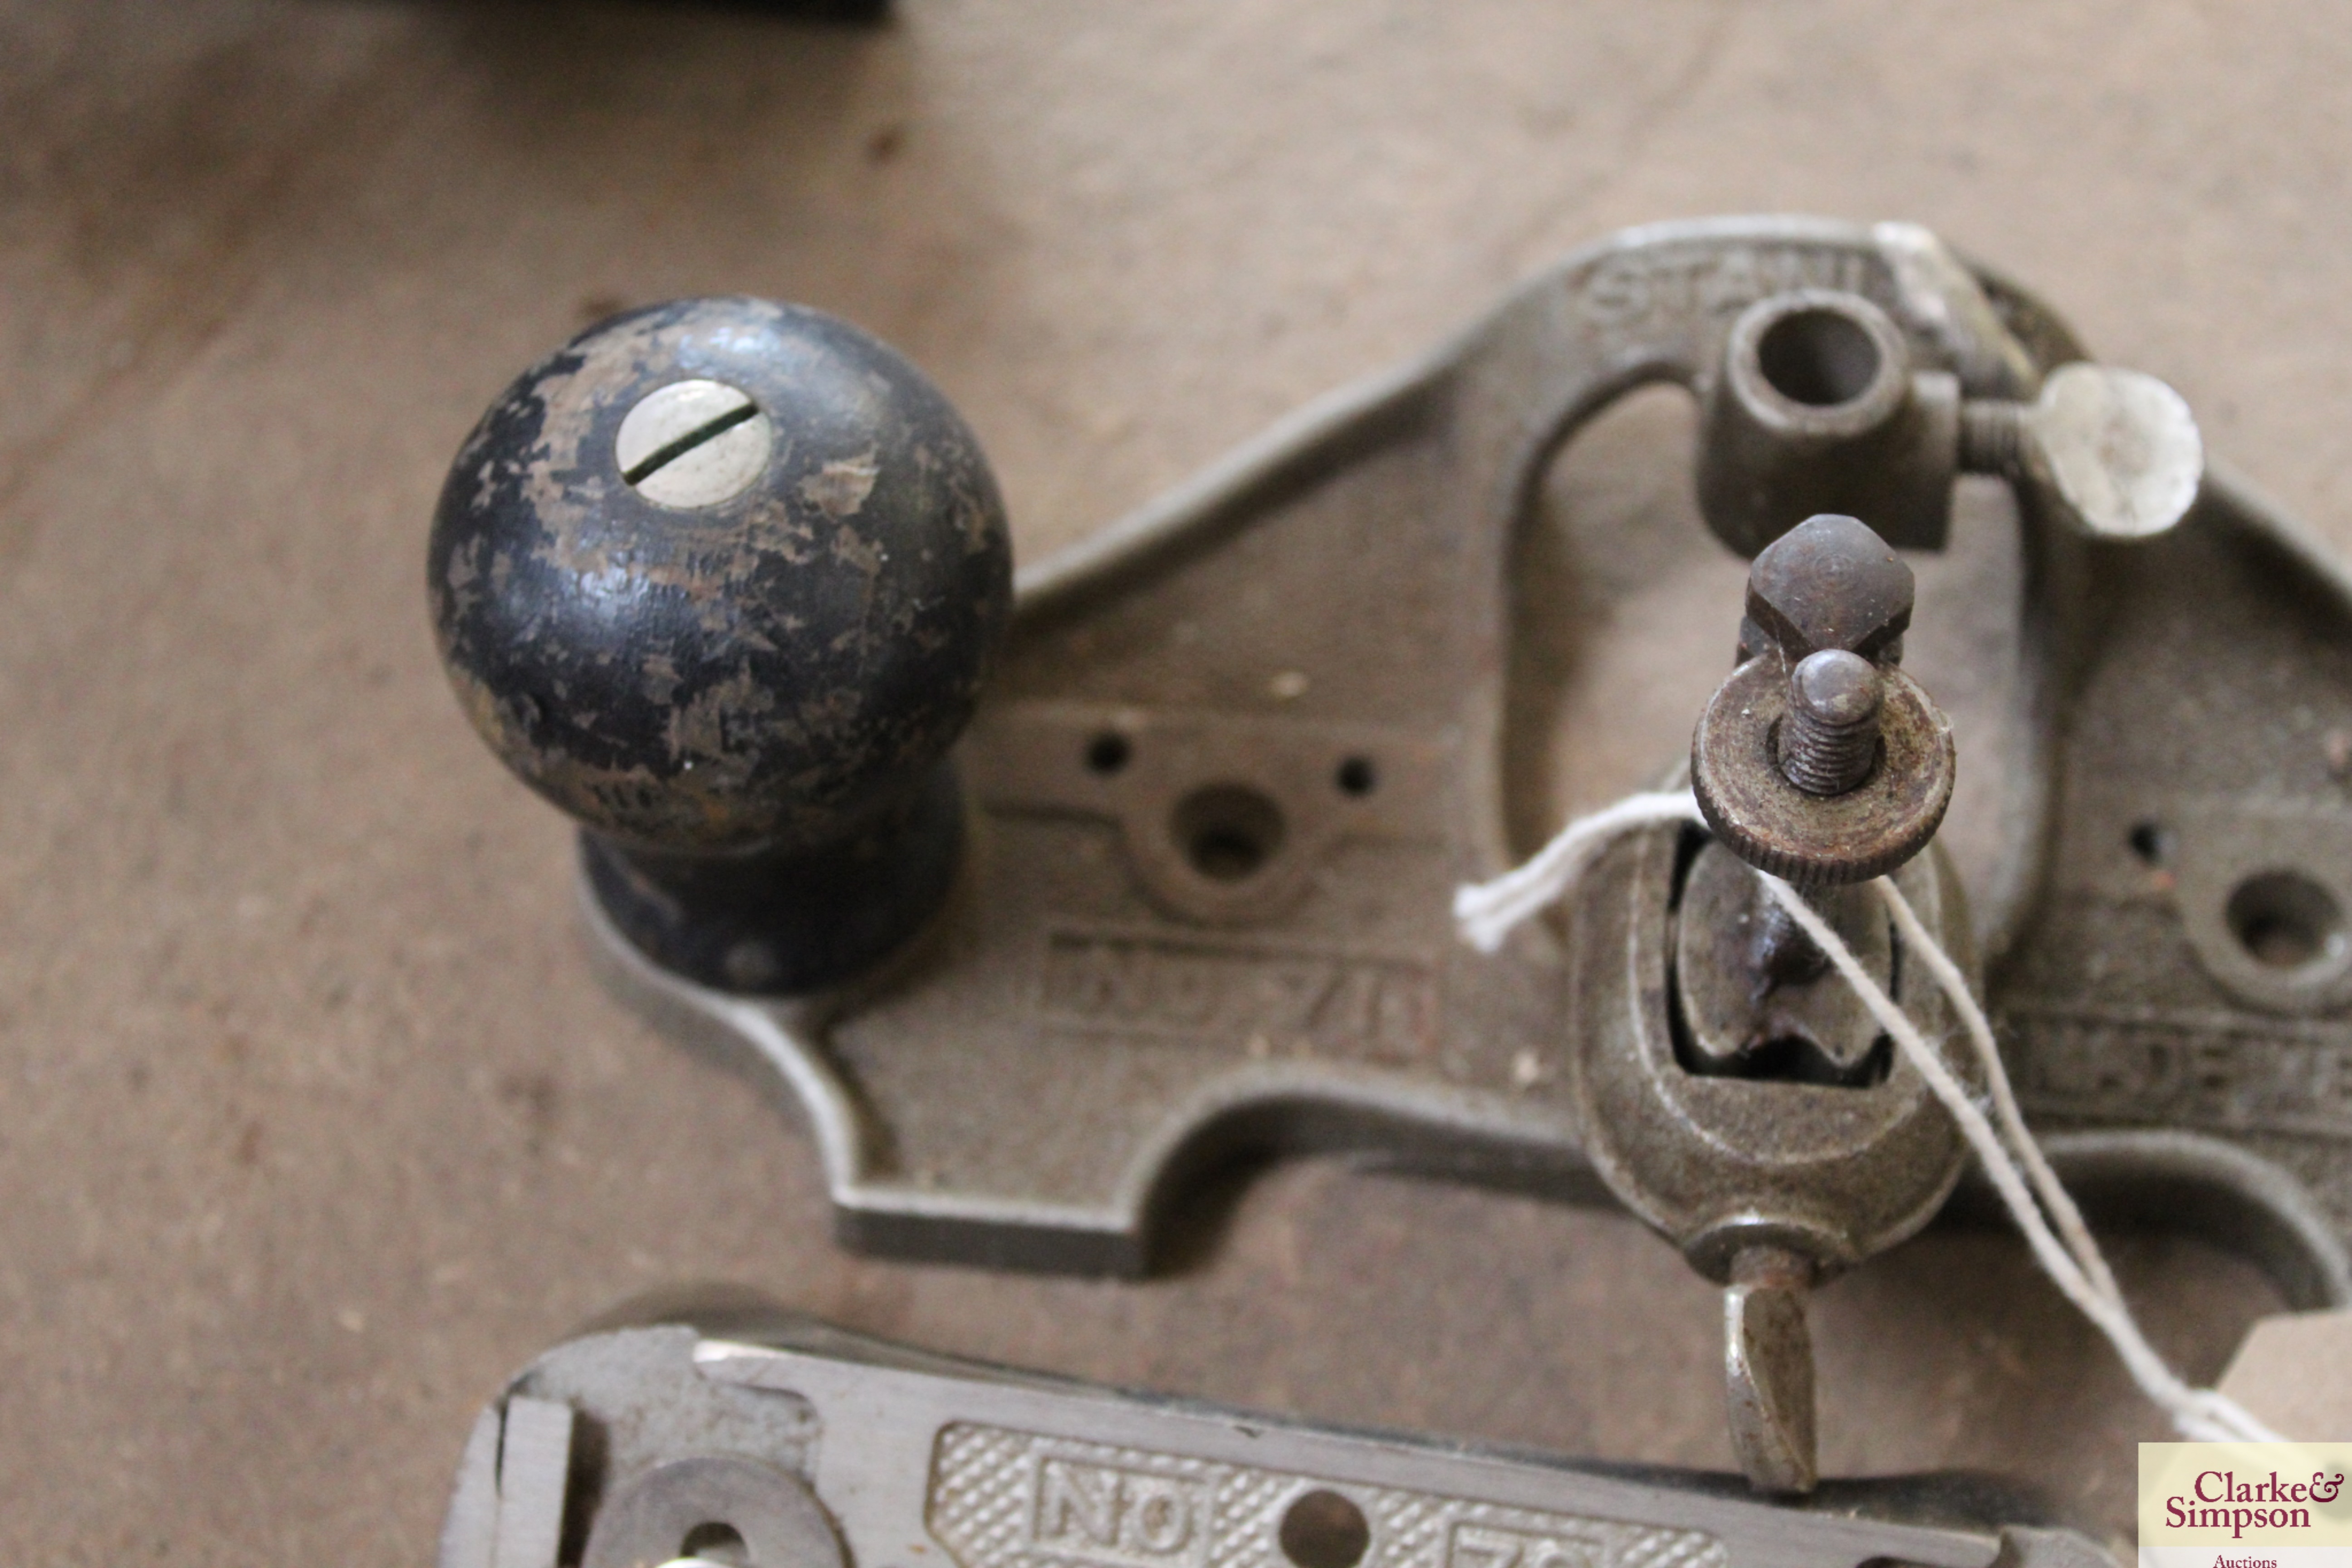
x,y
1750,1107
722,579
702,1440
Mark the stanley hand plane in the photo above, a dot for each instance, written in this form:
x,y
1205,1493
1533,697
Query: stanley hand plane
x,y
1041,894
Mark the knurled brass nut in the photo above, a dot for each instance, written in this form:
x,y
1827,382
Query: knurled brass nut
x,y
1819,840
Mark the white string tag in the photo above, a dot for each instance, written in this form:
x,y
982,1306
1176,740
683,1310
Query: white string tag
x,y
1486,912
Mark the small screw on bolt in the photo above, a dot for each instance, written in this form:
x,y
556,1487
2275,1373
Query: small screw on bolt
x,y
1993,437
1828,742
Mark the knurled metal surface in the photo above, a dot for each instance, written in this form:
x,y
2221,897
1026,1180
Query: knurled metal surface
x,y
1004,1498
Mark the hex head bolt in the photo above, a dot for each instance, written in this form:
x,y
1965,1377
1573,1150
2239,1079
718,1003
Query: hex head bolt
x,y
1818,760
721,579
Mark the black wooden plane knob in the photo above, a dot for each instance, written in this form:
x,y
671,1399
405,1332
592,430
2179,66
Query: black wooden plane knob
x,y
722,578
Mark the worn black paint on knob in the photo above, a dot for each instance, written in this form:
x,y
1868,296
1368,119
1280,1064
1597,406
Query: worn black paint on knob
x,y
769,679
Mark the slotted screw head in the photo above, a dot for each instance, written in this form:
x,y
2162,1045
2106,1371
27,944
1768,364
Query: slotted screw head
x,y
694,443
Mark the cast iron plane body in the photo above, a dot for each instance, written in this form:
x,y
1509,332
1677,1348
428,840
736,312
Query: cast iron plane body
x,y
760,1438
1241,747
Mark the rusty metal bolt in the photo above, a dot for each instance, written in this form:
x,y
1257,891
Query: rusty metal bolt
x,y
1829,582
1818,760
1829,740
